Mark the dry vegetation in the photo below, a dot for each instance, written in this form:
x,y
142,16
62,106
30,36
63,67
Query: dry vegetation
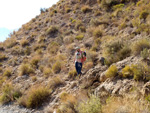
x,y
42,52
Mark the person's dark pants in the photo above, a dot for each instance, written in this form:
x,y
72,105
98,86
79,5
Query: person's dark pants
x,y
78,67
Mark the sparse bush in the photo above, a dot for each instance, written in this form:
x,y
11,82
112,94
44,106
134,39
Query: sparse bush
x,y
97,33
68,103
24,42
7,73
55,82
125,104
10,42
82,29
124,52
2,57
41,39
52,30
35,97
127,71
67,9
92,56
112,71
86,9
57,67
72,74
26,69
78,24
35,60
118,6
53,47
95,22
145,53
68,40
79,37
27,51
114,47
144,14
138,72
97,41
47,72
116,51
34,78
140,45
9,94
93,105
88,65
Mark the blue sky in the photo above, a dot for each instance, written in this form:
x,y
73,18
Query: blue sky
x,y
15,13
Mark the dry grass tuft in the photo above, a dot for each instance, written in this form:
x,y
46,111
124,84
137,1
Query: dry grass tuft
x,y
128,104
35,97
55,82
25,69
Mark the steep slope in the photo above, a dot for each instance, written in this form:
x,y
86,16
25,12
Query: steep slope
x,y
37,61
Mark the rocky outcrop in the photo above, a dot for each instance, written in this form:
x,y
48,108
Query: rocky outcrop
x,y
118,86
92,76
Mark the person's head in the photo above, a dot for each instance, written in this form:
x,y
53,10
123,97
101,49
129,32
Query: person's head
x,y
78,49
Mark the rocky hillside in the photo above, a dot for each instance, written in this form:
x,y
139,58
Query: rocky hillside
x,y
37,61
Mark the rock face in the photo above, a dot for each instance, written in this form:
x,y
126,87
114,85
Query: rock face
x,y
93,76
115,86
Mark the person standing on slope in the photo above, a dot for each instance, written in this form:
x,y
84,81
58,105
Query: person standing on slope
x,y
80,57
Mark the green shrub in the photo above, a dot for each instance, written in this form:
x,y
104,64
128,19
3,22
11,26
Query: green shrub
x,y
25,69
112,71
86,9
116,51
79,37
140,45
127,71
138,72
93,105
57,67
114,47
124,52
118,6
36,97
